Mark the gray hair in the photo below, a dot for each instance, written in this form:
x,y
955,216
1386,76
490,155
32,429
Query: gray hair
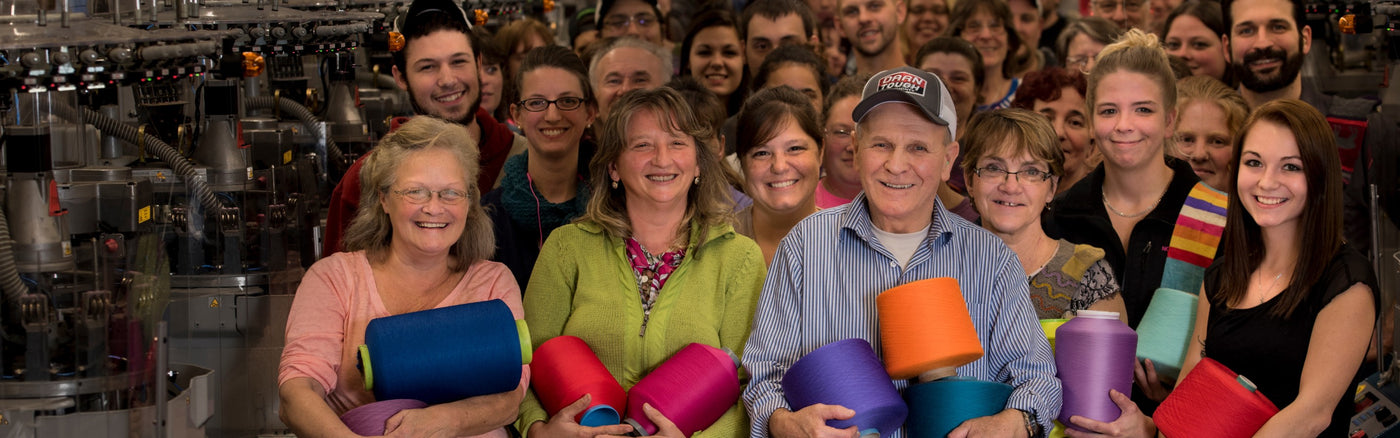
x,y
372,231
630,41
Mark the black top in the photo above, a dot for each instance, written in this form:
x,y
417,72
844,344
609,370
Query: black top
x,y
1270,351
1078,215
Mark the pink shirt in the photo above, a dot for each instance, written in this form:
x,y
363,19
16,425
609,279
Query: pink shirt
x,y
338,298
827,199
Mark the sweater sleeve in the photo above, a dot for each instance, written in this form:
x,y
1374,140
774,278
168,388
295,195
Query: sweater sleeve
x,y
316,325
741,291
548,303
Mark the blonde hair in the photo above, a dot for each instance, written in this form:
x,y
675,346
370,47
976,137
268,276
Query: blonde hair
x,y
707,203
371,230
1137,52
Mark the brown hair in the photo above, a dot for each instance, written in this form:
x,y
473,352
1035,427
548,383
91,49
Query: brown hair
x,y
707,203
1011,131
1242,245
963,11
766,113
371,230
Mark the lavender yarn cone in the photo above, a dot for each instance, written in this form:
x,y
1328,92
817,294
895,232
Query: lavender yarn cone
x,y
1094,353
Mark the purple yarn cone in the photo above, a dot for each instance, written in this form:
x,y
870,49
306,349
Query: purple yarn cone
x,y
1094,353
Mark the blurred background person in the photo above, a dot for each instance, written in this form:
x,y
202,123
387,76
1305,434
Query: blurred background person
x,y
840,181
927,19
625,64
713,54
1081,41
1211,116
1058,94
987,25
1193,33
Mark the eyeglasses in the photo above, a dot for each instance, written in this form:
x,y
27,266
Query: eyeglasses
x,y
1032,175
538,104
616,22
1080,63
842,134
1112,5
422,196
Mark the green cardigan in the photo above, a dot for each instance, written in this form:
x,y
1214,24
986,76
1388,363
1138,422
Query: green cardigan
x,y
584,286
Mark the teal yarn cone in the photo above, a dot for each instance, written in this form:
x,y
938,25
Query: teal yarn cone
x,y
1165,330
938,407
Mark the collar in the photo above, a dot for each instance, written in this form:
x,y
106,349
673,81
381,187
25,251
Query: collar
x,y
857,219
1086,197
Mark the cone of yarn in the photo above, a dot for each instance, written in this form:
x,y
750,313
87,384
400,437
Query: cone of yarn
x,y
1095,355
925,326
938,407
1058,431
1165,330
1213,402
564,369
444,355
847,373
1049,326
369,419
693,388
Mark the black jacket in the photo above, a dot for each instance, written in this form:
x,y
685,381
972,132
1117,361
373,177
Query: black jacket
x,y
1078,215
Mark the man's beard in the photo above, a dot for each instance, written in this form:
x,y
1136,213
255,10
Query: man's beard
x,y
466,120
1286,74
878,50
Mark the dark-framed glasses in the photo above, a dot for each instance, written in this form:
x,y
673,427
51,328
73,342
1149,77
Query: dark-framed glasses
x,y
537,104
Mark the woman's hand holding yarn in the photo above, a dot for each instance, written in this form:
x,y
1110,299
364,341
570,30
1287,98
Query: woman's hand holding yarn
x,y
664,427
562,424
1133,423
1148,381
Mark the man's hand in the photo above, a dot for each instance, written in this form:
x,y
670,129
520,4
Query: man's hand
x,y
1007,423
811,422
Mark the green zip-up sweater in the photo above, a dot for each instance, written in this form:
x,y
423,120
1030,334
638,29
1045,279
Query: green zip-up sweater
x,y
583,286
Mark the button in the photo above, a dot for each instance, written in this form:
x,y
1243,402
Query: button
x,y
894,265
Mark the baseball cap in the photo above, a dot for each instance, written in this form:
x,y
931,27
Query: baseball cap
x,y
421,10
584,21
909,85
606,5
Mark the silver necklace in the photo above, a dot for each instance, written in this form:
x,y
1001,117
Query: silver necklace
x,y
1133,215
1270,289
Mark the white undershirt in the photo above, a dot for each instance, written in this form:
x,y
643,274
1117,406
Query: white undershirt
x,y
901,246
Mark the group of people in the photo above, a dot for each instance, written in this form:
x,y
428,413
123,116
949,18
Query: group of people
x,y
759,192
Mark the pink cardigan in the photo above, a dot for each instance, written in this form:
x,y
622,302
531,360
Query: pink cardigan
x,y
338,298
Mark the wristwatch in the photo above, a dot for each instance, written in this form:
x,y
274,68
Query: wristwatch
x,y
1032,426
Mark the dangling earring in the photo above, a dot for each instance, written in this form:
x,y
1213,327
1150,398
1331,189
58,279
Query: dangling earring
x,y
697,180
614,184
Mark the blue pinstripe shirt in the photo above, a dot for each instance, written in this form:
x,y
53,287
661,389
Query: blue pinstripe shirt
x,y
821,288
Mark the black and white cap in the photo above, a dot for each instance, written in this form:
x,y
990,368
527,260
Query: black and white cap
x,y
909,85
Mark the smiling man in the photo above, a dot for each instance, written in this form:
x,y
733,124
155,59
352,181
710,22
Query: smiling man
x,y
1267,45
896,232
438,66
767,24
872,27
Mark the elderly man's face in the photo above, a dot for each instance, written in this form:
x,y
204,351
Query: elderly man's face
x,y
625,69
902,158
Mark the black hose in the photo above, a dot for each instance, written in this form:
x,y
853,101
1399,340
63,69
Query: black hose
x,y
306,117
181,165
10,282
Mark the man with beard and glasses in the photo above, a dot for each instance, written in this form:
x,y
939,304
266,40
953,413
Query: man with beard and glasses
x,y
438,67
872,27
1267,47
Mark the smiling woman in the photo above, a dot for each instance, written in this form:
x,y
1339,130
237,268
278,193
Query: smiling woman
x,y
782,161
653,264
714,55
419,241
543,188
